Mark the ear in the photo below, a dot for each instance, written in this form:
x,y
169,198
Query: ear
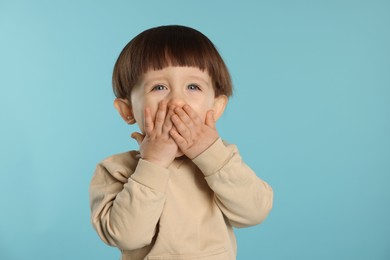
x,y
124,108
220,103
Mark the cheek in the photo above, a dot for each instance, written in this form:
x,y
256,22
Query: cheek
x,y
202,109
139,117
139,103
139,113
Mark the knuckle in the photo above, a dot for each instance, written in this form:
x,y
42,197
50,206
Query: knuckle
x,y
182,142
184,130
159,120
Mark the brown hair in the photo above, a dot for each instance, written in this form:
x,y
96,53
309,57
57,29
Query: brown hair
x,y
164,46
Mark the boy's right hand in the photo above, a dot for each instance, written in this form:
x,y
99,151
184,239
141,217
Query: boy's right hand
x,y
156,145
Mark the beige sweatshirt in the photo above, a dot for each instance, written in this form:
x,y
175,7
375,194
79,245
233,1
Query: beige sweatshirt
x,y
184,212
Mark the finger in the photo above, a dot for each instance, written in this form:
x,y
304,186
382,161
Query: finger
x,y
168,122
138,137
148,122
192,114
160,116
210,120
181,128
183,116
179,140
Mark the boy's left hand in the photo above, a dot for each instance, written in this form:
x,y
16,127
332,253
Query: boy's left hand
x,y
192,135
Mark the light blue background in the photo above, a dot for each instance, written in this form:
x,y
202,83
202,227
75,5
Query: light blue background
x,y
310,115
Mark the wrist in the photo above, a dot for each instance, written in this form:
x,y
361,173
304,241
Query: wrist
x,y
202,147
213,158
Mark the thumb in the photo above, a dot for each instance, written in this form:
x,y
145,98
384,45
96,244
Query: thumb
x,y
210,120
138,137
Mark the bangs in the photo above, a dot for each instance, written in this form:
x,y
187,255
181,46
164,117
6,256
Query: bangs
x,y
160,47
178,47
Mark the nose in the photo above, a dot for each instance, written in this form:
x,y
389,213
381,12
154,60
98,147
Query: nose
x,y
175,99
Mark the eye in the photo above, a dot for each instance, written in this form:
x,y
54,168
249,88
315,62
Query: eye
x,y
193,87
159,88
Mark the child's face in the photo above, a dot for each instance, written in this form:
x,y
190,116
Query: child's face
x,y
176,86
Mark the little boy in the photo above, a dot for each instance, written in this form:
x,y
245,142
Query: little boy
x,y
182,193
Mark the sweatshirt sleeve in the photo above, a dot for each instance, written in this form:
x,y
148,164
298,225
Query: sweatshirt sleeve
x,y
126,206
243,197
